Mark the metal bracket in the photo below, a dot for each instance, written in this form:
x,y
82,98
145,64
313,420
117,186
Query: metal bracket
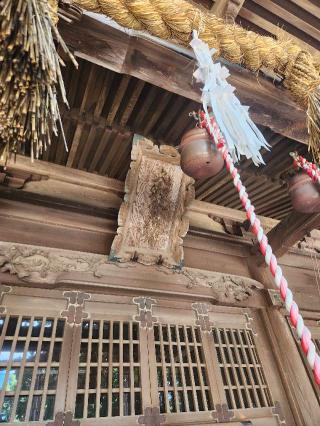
x,y
64,419
144,306
250,323
222,414
151,417
75,313
275,298
202,314
278,413
4,289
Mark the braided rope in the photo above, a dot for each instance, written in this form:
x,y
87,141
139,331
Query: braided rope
x,y
292,308
176,20
313,171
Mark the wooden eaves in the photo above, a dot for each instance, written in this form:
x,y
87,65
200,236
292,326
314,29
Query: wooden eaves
x,y
171,68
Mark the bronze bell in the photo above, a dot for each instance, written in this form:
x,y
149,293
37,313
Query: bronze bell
x,y
199,157
304,193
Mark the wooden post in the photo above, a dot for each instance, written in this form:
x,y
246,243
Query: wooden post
x,y
300,393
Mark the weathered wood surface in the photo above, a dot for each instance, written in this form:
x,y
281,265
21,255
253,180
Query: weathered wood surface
x,y
111,48
88,189
27,223
289,231
228,9
304,404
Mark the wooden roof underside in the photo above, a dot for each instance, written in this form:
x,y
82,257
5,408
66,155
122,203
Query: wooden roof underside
x,y
296,18
107,106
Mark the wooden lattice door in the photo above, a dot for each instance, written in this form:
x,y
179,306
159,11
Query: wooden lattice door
x,y
213,364
35,348
109,380
94,359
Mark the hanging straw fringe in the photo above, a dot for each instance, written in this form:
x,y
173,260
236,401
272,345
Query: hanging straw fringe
x,y
176,20
30,75
313,113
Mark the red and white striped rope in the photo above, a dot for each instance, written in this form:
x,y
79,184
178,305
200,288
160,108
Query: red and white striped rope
x,y
296,319
310,168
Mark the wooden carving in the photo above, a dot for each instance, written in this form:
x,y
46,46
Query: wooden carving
x,y
151,218
43,265
40,264
225,287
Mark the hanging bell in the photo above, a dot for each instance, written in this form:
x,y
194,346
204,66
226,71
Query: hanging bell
x,y
304,193
199,156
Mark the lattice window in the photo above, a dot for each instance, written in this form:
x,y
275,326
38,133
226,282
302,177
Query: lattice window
x,y
109,382
242,373
29,367
181,369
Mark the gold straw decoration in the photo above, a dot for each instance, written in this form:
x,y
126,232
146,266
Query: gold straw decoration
x,y
313,121
30,75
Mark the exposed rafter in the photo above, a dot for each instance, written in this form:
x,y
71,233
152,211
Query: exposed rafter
x,y
228,9
162,66
289,231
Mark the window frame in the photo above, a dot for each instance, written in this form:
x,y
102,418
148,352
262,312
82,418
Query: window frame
x,y
38,303
102,306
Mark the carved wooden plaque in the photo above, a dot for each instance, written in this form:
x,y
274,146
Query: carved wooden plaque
x,y
151,219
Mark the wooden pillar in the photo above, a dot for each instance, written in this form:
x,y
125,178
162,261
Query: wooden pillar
x,y
300,393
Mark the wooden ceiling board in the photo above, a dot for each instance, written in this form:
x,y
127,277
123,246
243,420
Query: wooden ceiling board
x,y
107,108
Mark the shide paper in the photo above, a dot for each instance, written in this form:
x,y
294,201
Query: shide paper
x,y
241,134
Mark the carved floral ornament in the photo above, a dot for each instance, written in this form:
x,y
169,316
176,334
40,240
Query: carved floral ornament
x,y
35,264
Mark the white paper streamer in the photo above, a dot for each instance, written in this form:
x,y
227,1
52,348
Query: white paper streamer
x,y
241,134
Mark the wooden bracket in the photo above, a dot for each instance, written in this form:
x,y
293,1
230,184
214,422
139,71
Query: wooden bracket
x,y
74,313
64,419
144,317
14,178
3,290
288,232
152,417
222,414
202,314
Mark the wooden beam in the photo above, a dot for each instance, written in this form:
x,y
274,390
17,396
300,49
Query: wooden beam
x,y
219,8
67,184
161,66
274,29
90,189
289,231
295,20
228,9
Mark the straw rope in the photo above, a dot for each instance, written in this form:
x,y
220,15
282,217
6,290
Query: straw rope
x,y
176,19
